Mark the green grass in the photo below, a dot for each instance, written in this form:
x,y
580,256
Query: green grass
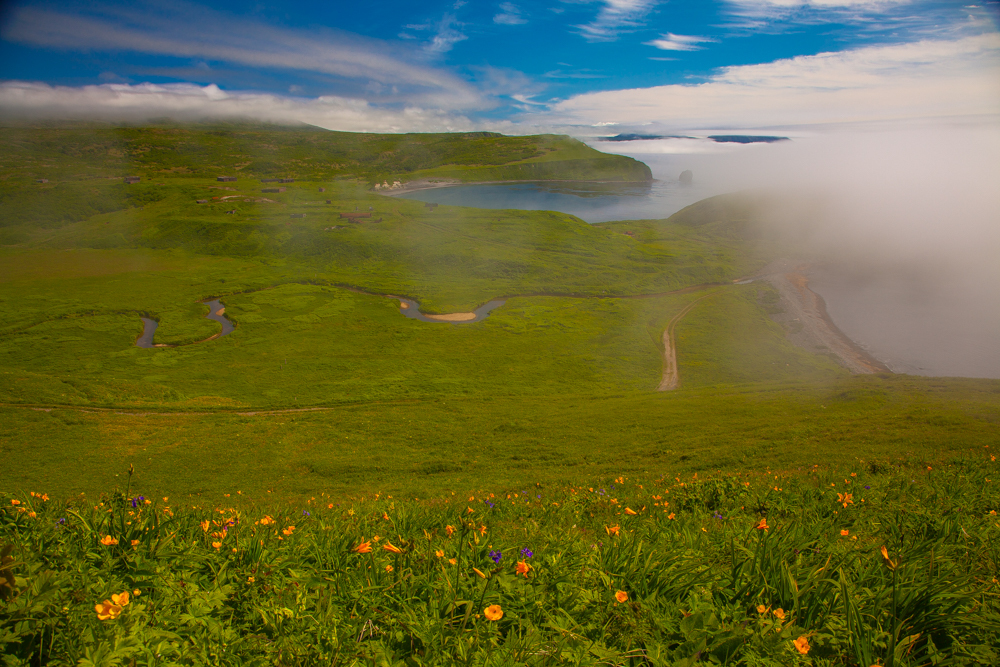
x,y
645,571
326,391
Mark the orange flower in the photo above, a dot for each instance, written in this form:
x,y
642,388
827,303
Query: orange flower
x,y
205,526
523,568
15,501
630,511
136,593
845,499
761,609
32,515
288,531
845,533
479,573
671,516
216,545
107,611
621,596
801,645
363,548
330,506
779,614
135,543
439,553
885,558
108,541
452,561
469,510
612,530
762,525
450,530
482,530
120,600
388,547
493,612
388,568
267,520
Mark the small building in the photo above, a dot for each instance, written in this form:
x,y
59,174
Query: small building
x,y
322,189
353,215
42,180
269,180
430,205
329,201
226,179
201,201
297,215
273,190
286,180
233,212
129,180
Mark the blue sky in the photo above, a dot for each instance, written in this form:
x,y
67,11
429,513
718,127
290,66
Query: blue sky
x,y
513,66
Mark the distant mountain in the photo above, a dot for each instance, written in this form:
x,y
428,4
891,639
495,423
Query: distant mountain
x,y
745,139
639,137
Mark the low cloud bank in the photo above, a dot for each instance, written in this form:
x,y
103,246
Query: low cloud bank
x,y
906,222
189,102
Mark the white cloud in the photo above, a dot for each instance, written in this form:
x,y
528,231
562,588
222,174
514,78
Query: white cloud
x,y
188,102
616,17
672,42
447,35
510,14
194,32
929,78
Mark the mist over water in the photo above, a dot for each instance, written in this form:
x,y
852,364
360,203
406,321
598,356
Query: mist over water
x,y
901,227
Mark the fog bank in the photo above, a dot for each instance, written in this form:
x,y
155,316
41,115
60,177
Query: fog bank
x,y
901,225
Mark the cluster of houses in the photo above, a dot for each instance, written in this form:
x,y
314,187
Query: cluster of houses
x,y
277,180
385,185
130,180
226,179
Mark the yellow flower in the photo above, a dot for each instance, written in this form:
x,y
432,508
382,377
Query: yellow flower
x,y
479,573
621,596
523,568
32,515
780,613
120,599
761,609
801,645
136,593
450,530
204,526
107,611
363,548
630,511
452,561
267,520
216,545
108,541
439,553
389,547
493,612
250,580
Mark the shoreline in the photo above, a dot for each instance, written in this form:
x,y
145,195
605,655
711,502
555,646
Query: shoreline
x,y
427,184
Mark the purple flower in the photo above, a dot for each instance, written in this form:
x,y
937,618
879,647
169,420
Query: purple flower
x,y
526,553
62,522
305,513
133,503
867,487
495,556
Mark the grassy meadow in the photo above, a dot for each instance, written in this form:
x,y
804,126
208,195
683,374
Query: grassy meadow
x,y
534,429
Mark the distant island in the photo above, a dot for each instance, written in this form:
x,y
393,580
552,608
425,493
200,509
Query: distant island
x,y
718,138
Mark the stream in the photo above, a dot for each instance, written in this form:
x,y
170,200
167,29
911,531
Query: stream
x,y
216,311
